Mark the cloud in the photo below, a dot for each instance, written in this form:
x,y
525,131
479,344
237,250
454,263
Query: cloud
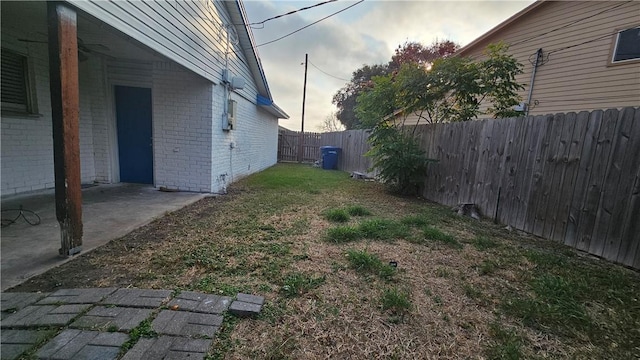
x,y
368,33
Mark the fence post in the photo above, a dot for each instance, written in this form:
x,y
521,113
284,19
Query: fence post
x,y
300,147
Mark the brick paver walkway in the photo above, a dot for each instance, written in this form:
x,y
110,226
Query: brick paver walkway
x,y
96,323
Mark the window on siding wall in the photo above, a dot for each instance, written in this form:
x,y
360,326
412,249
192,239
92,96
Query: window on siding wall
x,y
627,45
16,87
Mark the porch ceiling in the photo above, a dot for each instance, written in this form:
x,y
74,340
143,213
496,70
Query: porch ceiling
x,y
29,19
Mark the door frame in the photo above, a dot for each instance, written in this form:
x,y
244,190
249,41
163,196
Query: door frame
x,y
137,138
113,80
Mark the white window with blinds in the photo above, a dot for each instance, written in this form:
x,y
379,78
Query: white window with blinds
x,y
17,95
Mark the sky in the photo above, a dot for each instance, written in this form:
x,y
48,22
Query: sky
x,y
367,33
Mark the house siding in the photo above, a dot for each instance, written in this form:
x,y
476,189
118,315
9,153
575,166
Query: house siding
x,y
576,78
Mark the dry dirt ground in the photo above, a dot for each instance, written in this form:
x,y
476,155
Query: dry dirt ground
x,y
461,289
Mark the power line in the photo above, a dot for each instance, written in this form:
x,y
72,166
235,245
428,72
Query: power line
x,y
326,73
570,24
582,43
289,13
306,26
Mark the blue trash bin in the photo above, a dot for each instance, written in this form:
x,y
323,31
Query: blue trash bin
x,y
329,157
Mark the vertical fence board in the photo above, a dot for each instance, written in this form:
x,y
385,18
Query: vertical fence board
x,y
632,225
549,163
610,184
594,187
558,163
537,168
618,246
509,202
580,190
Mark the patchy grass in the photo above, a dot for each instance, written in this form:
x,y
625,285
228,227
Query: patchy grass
x,y
483,243
363,261
415,220
297,284
337,215
343,234
438,235
357,210
396,301
506,344
471,288
383,229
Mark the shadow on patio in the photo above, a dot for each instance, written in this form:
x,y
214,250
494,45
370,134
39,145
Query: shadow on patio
x,y
109,212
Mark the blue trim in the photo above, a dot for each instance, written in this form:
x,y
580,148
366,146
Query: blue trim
x,y
262,100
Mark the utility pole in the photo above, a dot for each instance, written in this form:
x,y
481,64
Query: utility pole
x,y
304,98
304,90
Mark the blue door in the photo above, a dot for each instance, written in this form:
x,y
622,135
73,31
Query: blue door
x,y
133,119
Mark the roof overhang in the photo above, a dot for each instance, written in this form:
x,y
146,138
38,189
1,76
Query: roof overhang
x,y
269,106
247,44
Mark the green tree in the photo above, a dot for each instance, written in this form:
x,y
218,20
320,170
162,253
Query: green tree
x,y
361,80
451,89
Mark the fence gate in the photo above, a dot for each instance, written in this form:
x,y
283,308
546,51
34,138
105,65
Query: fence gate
x,y
300,147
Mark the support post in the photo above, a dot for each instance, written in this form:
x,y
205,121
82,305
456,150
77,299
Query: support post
x,y
65,104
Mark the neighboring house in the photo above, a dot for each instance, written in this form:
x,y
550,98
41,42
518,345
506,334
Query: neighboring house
x,y
153,100
587,54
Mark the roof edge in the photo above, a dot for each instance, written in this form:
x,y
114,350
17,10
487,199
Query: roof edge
x,y
501,26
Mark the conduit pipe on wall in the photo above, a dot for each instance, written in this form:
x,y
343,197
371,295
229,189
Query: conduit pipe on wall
x,y
533,78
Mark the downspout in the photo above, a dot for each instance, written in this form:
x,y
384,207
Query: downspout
x,y
533,78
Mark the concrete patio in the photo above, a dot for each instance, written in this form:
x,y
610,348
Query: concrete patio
x,y
109,212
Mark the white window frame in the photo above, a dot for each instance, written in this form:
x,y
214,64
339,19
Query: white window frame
x,y
615,48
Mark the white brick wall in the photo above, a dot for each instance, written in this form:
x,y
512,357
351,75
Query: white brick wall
x,y
101,146
191,151
27,141
182,108
255,139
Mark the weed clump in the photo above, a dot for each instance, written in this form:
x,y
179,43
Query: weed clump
x,y
396,301
483,243
297,284
363,261
357,210
337,215
384,229
342,234
436,234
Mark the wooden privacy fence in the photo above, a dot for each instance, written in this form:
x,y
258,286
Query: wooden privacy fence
x,y
573,178
289,148
353,144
